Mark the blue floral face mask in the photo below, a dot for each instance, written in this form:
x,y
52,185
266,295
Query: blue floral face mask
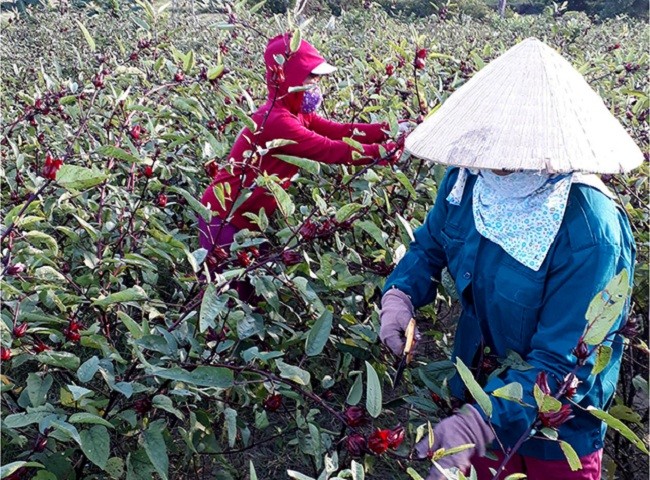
x,y
311,100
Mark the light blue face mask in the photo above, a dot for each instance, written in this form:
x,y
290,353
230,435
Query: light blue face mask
x,y
311,100
513,185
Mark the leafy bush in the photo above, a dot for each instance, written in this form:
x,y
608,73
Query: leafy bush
x,y
120,359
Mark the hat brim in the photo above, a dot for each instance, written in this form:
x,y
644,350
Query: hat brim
x,y
323,69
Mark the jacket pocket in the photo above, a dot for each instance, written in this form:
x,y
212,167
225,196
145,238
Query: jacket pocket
x,y
519,298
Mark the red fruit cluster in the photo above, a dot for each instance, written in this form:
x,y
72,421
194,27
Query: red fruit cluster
x,y
555,419
161,201
20,330
631,67
381,440
313,229
5,354
136,131
390,69
51,166
272,403
420,58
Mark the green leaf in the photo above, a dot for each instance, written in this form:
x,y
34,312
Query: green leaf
x,y
295,40
403,179
549,433
512,391
115,467
603,356
620,427
283,199
474,388
346,211
134,329
571,456
154,445
545,403
116,152
138,466
252,474
95,444
308,165
87,36
84,417
197,206
88,369
413,474
319,334
373,392
295,374
606,307
37,388
189,61
132,294
623,412
299,476
230,416
354,397
41,238
358,472
74,178
373,230
59,359
212,305
203,376
9,468
49,274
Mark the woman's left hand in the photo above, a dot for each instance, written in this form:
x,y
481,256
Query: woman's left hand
x,y
465,427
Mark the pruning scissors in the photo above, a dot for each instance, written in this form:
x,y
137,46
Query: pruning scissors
x,y
407,355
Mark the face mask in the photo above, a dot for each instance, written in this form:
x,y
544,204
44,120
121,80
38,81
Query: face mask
x,y
514,185
311,100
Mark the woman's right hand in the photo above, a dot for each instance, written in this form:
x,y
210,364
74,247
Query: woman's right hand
x,y
396,312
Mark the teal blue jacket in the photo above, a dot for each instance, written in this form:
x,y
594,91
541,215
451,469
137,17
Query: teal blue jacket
x,y
538,314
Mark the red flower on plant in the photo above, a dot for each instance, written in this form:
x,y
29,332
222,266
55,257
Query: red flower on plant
x,y
355,444
20,330
308,230
15,269
148,171
135,132
542,383
243,259
51,166
355,416
142,405
421,53
162,200
555,419
390,69
40,346
272,403
72,335
5,354
581,352
395,437
378,441
420,63
291,257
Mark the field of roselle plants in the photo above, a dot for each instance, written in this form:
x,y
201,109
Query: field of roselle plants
x,y
120,359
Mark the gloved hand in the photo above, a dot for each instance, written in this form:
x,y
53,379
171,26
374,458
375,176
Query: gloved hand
x,y
396,312
393,152
466,426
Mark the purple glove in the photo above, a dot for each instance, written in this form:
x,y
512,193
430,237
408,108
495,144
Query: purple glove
x,y
466,426
396,312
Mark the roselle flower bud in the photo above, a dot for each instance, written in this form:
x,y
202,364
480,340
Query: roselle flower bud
x,y
5,354
147,171
277,74
542,383
420,63
631,327
272,403
327,228
395,437
390,69
135,132
72,335
51,166
220,253
40,444
161,201
555,419
581,352
572,386
15,269
355,444
421,53
291,257
20,330
253,251
211,169
355,416
40,346
378,441
179,76
243,259
142,405
19,474
98,81
213,336
308,230
74,326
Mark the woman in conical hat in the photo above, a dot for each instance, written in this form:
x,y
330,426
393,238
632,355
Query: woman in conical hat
x,y
529,238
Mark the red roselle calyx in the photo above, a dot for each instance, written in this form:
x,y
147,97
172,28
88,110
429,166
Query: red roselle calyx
x,y
51,166
20,330
40,346
631,327
5,354
220,253
355,444
272,403
572,385
355,416
72,335
581,352
147,171
308,230
15,269
390,69
395,437
555,419
542,383
291,257
420,63
142,405
162,200
243,259
421,53
40,444
378,441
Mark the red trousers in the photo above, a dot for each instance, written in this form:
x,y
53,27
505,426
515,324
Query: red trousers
x,y
537,469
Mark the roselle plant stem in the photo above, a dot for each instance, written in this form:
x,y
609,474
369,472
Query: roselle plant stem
x,y
22,211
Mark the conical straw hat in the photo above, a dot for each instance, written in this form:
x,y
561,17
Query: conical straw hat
x,y
529,109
